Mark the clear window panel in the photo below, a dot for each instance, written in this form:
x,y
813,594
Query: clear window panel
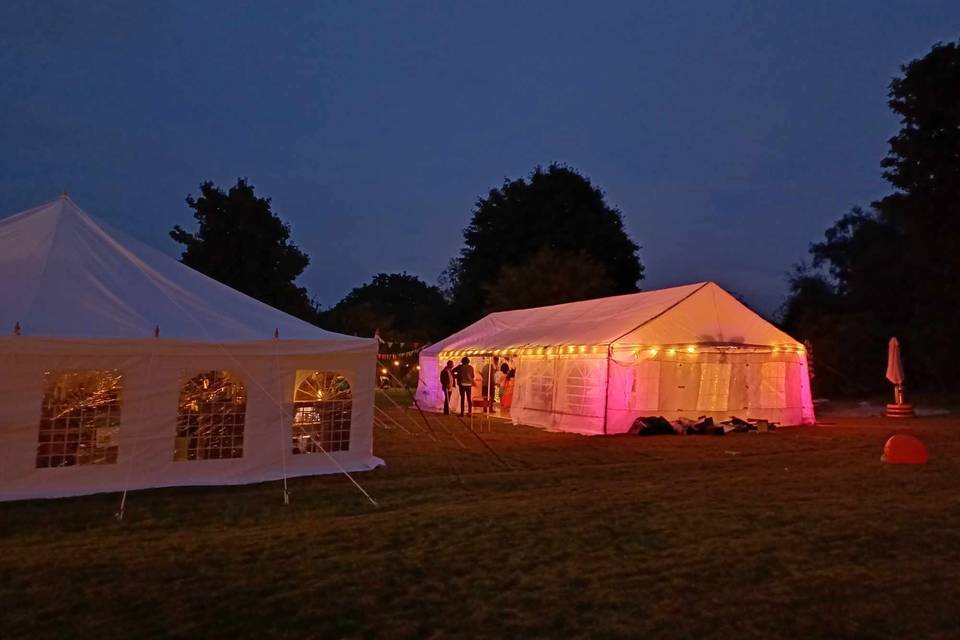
x,y
584,389
210,417
323,408
538,384
79,418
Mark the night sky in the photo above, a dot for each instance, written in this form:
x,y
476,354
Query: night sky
x,y
730,138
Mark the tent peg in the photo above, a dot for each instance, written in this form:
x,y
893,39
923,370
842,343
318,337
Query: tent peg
x,y
276,333
156,331
16,329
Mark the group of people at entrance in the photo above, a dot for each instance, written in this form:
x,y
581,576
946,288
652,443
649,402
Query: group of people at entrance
x,y
495,382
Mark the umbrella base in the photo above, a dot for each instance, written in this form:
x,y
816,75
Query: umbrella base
x,y
900,411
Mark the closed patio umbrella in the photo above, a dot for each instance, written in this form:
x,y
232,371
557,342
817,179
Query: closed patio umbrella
x,y
895,376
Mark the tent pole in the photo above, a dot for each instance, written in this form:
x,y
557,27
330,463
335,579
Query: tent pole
x,y
606,389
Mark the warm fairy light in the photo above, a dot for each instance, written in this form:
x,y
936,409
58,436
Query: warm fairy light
x,y
653,351
571,349
418,367
549,351
775,349
671,351
596,348
396,363
383,371
691,349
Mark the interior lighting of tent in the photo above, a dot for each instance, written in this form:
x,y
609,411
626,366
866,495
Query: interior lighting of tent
x,y
691,349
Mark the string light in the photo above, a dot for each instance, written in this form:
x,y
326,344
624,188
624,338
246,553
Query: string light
x,y
653,351
691,349
671,351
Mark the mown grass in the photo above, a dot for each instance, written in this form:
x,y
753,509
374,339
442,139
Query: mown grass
x,y
800,533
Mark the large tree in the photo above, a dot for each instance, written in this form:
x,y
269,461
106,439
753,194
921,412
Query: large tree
x,y
243,244
555,209
400,306
895,269
572,277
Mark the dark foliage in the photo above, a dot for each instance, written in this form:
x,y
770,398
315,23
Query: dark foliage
x,y
570,277
243,244
555,209
894,270
402,307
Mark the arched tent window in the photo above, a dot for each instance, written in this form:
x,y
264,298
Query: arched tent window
x,y
323,406
210,417
583,393
79,418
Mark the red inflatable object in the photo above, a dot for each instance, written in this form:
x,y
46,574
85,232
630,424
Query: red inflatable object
x,y
904,449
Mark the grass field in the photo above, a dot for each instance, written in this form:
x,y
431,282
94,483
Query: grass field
x,y
801,533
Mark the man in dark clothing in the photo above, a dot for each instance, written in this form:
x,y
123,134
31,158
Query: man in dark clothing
x,y
464,374
446,383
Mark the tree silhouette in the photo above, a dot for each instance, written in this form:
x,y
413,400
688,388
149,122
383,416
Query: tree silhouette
x,y
243,244
895,269
572,277
556,209
401,306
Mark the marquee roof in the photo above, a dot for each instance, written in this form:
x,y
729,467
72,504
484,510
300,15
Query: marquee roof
x,y
64,274
701,313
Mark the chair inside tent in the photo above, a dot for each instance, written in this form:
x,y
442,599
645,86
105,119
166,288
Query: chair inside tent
x,y
595,366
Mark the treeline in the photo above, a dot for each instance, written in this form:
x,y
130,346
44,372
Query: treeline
x,y
890,268
893,268
544,239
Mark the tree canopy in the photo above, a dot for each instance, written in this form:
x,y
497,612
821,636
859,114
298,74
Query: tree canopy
x,y
400,306
555,209
895,268
569,277
243,244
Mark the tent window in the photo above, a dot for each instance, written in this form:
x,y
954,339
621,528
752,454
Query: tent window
x,y
540,385
584,393
714,386
323,406
210,417
79,418
645,393
773,385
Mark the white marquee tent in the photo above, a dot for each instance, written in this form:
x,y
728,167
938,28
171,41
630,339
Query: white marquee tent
x,y
595,366
122,368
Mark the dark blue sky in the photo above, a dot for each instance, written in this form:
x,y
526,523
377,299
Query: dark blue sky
x,y
730,136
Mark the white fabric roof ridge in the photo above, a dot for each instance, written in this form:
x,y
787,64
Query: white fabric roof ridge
x,y
64,274
699,313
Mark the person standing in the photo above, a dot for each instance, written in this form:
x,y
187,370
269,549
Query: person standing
x,y
446,383
487,375
465,376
